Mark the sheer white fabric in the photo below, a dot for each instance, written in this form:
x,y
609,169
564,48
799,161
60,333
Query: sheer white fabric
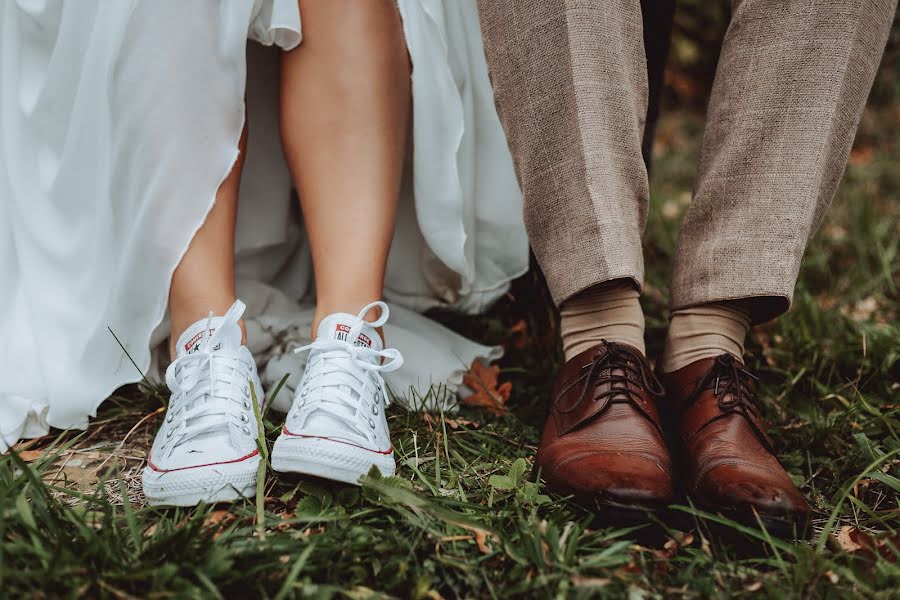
x,y
118,121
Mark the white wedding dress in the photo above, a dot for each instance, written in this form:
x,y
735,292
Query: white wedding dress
x,y
118,121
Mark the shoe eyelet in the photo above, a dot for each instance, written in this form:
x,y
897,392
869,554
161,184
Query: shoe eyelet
x,y
245,429
371,423
170,417
246,404
245,418
374,409
170,433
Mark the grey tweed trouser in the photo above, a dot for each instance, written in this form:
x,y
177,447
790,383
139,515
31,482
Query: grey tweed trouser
x,y
570,84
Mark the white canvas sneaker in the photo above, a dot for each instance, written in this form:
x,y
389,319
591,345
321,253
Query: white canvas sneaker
x,y
206,449
336,427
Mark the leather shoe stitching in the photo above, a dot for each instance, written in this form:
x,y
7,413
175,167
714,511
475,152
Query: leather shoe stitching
x,y
574,457
735,463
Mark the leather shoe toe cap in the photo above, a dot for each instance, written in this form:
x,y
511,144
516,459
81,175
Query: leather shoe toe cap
x,y
743,487
626,479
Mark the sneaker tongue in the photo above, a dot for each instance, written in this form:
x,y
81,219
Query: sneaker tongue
x,y
191,340
338,326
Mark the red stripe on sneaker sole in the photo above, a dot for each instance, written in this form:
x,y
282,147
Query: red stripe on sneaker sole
x,y
224,462
286,431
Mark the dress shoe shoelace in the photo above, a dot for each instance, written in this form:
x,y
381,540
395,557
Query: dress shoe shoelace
x,y
730,383
623,372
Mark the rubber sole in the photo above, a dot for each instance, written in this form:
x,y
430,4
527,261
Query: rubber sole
x,y
328,459
210,484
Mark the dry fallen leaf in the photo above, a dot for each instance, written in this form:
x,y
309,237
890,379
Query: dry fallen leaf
x,y
631,567
216,517
670,549
855,541
518,335
487,394
220,518
454,423
30,455
862,155
852,539
457,423
285,524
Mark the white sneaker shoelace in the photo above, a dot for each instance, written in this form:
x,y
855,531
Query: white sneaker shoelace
x,y
343,379
210,389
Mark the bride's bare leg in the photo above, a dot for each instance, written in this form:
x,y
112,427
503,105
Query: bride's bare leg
x,y
204,279
345,105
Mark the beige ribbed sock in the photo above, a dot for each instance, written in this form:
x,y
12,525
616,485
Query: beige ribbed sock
x,y
609,311
705,331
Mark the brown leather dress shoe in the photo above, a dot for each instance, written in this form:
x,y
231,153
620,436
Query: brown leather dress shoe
x,y
728,460
603,441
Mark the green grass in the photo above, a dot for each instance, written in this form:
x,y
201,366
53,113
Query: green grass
x,y
464,517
